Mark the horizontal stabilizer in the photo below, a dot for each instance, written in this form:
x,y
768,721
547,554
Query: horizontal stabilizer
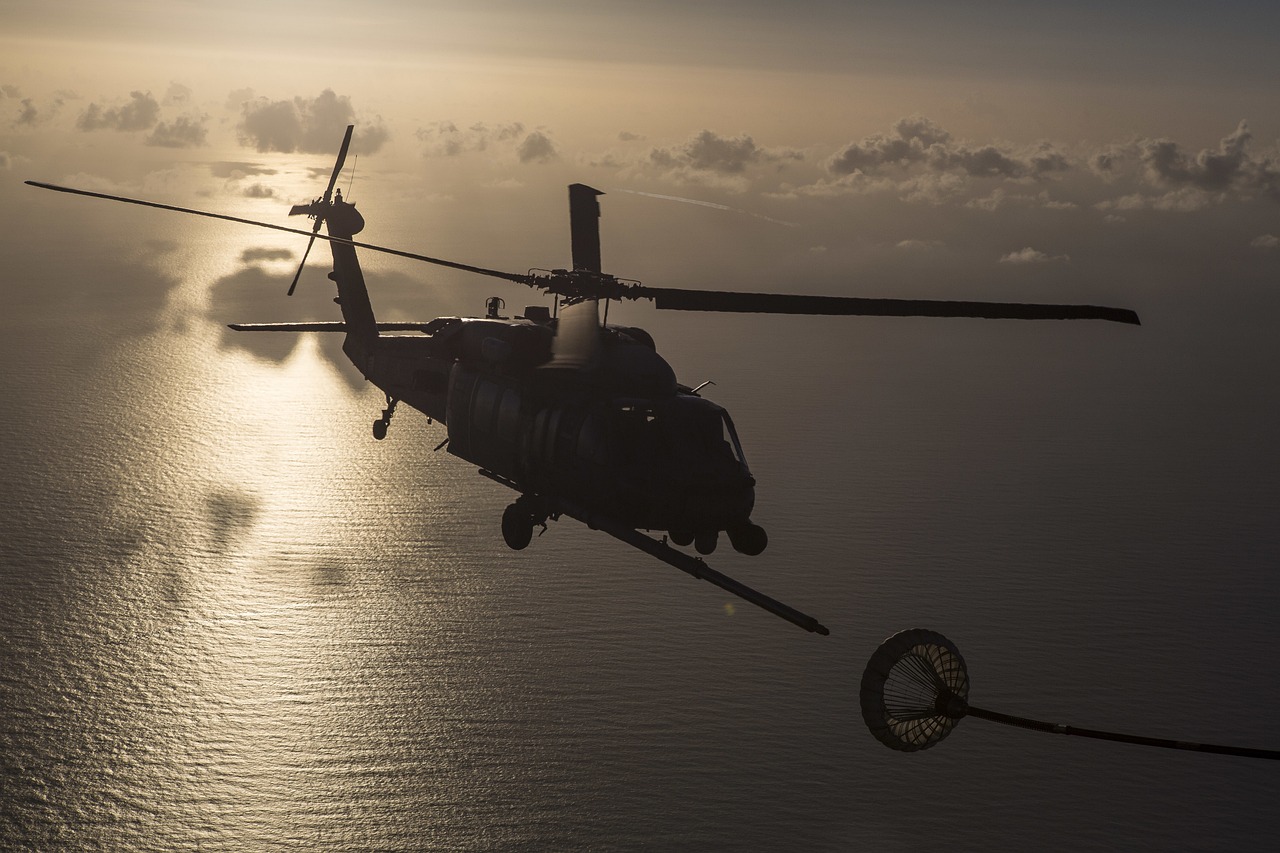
x,y
322,327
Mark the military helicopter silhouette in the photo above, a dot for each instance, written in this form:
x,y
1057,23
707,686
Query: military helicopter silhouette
x,y
579,417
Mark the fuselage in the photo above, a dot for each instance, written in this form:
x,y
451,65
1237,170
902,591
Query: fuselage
x,y
621,437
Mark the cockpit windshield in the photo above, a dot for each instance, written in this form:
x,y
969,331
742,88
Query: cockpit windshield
x,y
693,433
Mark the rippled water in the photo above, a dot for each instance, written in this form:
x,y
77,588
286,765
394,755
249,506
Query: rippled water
x,y
231,620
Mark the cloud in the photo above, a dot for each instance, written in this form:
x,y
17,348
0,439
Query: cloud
x,y
1265,241
140,113
1046,160
177,95
237,98
1165,164
917,140
258,191
1001,198
31,113
235,171
1032,256
28,115
446,139
628,136
933,188
310,125
7,90
5,160
608,160
919,245
710,152
1182,200
920,161
1108,161
182,132
987,161
909,143
265,254
537,147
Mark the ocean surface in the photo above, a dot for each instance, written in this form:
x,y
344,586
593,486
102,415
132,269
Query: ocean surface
x,y
231,620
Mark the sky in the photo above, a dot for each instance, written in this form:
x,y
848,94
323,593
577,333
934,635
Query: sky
x,y
889,138
1117,154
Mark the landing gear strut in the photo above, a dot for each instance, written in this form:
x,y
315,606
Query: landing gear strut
x,y
381,424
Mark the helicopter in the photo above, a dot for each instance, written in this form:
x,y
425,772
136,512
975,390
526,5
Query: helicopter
x,y
579,417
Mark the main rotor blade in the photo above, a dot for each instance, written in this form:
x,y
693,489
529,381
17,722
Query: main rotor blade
x,y
577,341
518,278
337,168
784,303
584,227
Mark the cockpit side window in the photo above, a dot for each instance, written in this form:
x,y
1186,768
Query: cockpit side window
x,y
730,437
639,434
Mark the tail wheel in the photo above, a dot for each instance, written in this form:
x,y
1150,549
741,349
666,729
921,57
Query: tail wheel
x,y
380,429
517,527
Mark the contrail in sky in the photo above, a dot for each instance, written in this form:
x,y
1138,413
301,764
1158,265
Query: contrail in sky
x,y
711,204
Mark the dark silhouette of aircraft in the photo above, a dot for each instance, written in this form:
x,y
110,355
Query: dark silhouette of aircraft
x,y
579,418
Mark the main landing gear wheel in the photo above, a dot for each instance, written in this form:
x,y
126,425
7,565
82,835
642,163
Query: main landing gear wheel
x,y
705,543
381,424
683,538
749,539
517,527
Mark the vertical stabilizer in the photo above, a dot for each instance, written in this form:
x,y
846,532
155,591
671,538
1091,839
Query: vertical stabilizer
x,y
345,221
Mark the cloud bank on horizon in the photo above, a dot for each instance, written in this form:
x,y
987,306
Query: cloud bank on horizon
x,y
1040,201
916,160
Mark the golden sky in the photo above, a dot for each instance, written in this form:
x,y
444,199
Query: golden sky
x,y
911,145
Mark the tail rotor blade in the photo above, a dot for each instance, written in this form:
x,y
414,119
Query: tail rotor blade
x,y
298,274
342,159
323,207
